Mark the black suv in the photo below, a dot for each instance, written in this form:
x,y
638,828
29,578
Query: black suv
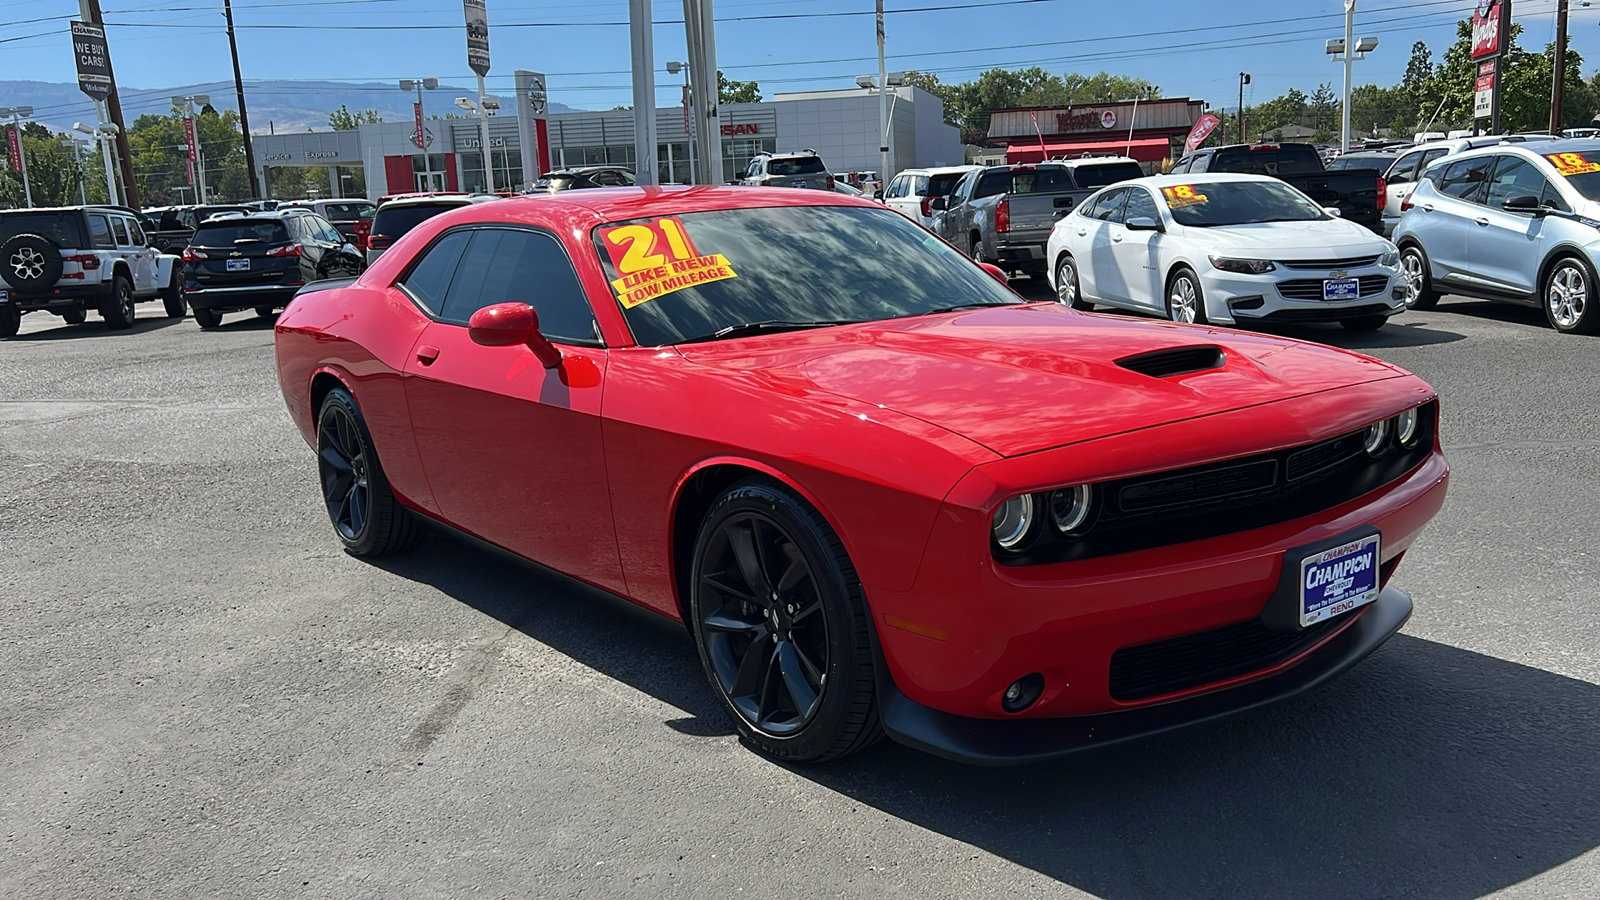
x,y
584,177
259,261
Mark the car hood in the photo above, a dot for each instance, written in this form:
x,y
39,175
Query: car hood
x,y
1317,239
1020,379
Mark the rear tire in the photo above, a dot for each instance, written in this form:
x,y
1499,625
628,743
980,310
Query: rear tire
x,y
977,250
117,308
10,320
1419,284
172,297
74,317
1364,323
366,517
208,319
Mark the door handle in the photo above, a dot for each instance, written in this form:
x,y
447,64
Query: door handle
x,y
1427,207
1082,232
1481,220
426,354
1116,239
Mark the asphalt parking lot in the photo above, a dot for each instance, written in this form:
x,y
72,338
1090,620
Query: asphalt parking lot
x,y
206,698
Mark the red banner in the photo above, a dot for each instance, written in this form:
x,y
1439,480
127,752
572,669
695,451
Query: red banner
x,y
686,129
421,138
14,148
188,130
1202,130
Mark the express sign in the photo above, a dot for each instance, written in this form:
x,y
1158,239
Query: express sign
x,y
1486,28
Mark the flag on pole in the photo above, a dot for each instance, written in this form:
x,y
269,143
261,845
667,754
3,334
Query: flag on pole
x,y
1044,153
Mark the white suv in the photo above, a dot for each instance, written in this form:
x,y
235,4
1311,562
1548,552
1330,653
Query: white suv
x,y
73,259
911,193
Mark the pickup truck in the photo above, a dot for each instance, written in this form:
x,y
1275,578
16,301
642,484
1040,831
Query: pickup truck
x,y
1003,214
1358,194
175,224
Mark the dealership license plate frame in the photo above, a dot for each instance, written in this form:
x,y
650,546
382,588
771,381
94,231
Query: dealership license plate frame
x,y
1341,289
1286,609
238,265
1347,579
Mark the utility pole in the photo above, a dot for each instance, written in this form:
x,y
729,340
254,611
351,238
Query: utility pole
x,y
90,10
1558,72
244,114
1244,79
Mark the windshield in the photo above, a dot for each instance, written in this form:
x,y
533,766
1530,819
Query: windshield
x,y
1037,181
1091,177
1362,161
228,232
689,277
397,220
1238,203
1581,169
63,228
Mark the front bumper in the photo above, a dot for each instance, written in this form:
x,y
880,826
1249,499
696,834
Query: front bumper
x,y
1003,742
226,299
1238,299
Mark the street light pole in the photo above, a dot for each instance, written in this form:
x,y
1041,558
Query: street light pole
x,y
674,68
883,107
16,113
1349,57
1244,79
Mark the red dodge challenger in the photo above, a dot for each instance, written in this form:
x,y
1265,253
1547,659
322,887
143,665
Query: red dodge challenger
x,y
884,493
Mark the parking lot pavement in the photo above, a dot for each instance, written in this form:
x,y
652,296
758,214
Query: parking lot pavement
x,y
205,698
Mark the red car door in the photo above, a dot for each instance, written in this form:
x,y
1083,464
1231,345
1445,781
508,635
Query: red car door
x,y
511,449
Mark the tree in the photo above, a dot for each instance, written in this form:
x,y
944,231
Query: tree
x,y
1324,108
54,171
729,91
342,119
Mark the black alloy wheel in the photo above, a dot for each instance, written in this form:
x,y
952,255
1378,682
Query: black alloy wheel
x,y
977,250
782,627
117,307
365,514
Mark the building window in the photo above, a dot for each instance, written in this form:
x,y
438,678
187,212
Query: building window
x,y
507,169
736,155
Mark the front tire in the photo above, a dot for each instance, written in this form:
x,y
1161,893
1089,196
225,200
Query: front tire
x,y
1569,297
1419,285
1185,302
366,517
781,623
172,297
1067,290
207,319
117,308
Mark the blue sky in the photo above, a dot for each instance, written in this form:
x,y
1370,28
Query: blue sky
x,y
1187,47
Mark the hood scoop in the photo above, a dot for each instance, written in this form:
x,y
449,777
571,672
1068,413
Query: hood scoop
x,y
1175,361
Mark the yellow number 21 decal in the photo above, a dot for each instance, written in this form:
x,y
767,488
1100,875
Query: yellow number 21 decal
x,y
1572,164
656,258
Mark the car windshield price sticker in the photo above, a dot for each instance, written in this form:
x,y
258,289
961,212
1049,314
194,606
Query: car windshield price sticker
x,y
1572,164
1338,580
656,258
1183,195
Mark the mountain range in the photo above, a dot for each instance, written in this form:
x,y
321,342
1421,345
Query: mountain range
x,y
275,106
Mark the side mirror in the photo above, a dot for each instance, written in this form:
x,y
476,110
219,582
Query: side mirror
x,y
509,324
995,272
1142,223
1524,203
877,195
1334,211
939,203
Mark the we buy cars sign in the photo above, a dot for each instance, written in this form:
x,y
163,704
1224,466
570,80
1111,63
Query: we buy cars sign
x,y
1487,28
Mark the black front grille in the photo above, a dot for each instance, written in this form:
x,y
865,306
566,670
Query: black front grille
x,y
1194,660
1353,262
1210,484
1318,457
1311,288
1176,361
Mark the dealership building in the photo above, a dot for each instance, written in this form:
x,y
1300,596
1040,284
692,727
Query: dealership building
x,y
1147,130
841,126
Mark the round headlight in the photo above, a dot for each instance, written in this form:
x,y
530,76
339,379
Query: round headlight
x,y
1012,521
1376,438
1069,508
1405,428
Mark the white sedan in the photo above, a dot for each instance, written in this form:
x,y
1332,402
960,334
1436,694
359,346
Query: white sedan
x,y
1226,249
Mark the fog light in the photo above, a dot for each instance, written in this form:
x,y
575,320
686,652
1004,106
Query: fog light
x,y
1022,693
1405,428
1376,438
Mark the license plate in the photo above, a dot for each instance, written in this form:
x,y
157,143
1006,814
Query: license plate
x,y
801,184
1338,580
238,265
1341,289
5,296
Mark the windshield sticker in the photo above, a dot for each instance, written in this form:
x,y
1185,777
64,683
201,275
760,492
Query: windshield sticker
x,y
1570,164
656,258
1183,195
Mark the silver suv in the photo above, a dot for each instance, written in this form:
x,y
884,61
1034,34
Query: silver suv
x,y
1515,223
804,169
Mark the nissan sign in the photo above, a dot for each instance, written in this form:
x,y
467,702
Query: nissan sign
x,y
477,36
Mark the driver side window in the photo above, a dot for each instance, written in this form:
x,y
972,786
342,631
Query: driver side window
x,y
504,265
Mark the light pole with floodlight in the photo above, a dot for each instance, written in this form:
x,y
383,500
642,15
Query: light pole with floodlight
x,y
1347,50
674,68
104,134
885,116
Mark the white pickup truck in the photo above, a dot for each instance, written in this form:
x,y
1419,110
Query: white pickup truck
x,y
73,259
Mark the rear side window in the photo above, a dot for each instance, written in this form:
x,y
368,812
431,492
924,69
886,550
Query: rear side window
x,y
395,221
63,228
1404,169
1200,164
798,165
430,277
503,265
1091,177
136,233
100,233
349,212
1465,178
230,232
941,185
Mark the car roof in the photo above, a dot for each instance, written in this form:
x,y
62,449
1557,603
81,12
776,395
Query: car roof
x,y
1159,181
618,203
439,199
1076,161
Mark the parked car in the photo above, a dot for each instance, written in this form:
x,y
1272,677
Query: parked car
x,y
1403,173
1358,194
72,260
912,192
804,169
347,214
1003,214
883,498
1363,159
1226,249
585,177
258,261
1511,222
396,217
175,225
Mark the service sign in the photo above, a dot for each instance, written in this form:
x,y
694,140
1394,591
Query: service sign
x,y
477,36
1487,28
93,58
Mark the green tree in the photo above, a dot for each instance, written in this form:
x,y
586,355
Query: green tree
x,y
1324,108
729,91
54,171
161,156
342,119
1525,95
